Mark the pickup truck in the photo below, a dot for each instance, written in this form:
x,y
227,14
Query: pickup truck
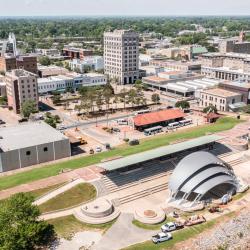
x,y
161,237
171,226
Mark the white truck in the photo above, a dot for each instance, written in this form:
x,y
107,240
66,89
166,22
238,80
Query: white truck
x,y
171,226
161,237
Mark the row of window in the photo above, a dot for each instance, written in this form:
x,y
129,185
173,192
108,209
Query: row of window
x,y
45,149
33,80
221,108
211,98
28,86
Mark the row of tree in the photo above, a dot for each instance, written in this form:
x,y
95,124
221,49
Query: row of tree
x,y
92,97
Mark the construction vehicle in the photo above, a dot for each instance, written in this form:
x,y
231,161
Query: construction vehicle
x,y
194,220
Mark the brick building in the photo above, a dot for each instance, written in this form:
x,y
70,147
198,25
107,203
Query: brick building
x,y
21,86
26,62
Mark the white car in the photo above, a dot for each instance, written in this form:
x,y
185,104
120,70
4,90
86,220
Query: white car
x,y
98,149
62,127
161,237
171,226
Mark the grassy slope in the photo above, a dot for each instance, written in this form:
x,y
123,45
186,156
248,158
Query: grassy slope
x,y
124,150
39,192
179,236
151,227
82,192
67,226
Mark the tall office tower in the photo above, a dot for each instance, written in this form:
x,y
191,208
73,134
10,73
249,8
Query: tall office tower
x,y
21,86
121,55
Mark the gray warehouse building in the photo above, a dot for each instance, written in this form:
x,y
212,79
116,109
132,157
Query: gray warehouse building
x,y
30,144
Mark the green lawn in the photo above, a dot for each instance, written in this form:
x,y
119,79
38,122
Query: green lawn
x,y
179,236
82,192
39,192
151,227
124,150
67,226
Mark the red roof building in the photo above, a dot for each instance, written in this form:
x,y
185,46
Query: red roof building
x,y
158,117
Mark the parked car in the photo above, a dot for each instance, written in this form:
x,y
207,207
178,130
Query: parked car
x,y
98,149
116,130
107,145
23,120
91,151
122,121
61,127
2,122
134,142
161,237
171,226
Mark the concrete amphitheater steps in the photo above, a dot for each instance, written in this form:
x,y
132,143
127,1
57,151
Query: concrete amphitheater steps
x,y
121,182
143,193
113,188
235,162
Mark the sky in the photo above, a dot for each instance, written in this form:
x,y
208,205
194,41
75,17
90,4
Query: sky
x,y
123,7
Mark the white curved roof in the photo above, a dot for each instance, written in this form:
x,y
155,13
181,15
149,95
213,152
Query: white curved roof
x,y
189,165
199,172
197,179
211,183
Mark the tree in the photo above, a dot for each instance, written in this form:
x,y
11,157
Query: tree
x,y
182,104
45,61
56,99
51,121
155,98
123,96
138,82
3,100
20,226
132,95
210,109
246,109
28,107
99,100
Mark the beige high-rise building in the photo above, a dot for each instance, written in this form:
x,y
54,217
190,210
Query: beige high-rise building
x,y
21,86
121,55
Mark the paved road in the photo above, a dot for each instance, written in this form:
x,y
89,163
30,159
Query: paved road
x,y
122,234
85,124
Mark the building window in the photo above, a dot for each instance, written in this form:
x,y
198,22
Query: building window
x,y
45,149
28,153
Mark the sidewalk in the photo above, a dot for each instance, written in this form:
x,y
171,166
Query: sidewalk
x,y
58,191
87,174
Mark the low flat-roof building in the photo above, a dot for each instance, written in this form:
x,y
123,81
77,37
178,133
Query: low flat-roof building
x,y
30,144
220,98
178,65
162,117
52,70
238,87
71,80
87,63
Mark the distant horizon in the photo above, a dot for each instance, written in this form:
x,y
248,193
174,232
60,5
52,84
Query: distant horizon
x,y
100,8
120,16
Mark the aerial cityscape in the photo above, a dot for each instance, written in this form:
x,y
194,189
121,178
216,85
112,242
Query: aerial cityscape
x,y
124,125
